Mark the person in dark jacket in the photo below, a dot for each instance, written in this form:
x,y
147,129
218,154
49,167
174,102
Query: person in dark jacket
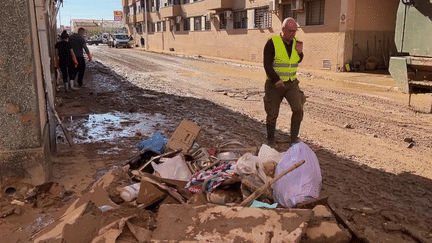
x,y
65,59
142,42
78,44
282,55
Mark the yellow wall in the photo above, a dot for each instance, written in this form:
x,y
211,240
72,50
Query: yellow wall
x,y
332,41
374,22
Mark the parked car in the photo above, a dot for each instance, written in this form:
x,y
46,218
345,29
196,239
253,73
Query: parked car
x,y
94,40
120,40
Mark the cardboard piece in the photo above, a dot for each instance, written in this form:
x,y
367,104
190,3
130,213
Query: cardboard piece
x,y
150,194
210,223
80,215
184,136
123,231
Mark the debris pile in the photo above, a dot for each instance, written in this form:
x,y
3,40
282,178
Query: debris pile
x,y
178,190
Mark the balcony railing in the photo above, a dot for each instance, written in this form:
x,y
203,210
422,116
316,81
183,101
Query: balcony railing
x,y
218,4
170,11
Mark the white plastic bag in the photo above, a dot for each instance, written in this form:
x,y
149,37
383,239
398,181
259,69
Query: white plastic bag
x,y
174,168
300,184
266,153
246,164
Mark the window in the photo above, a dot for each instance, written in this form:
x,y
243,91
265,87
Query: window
x,y
207,23
222,21
262,18
151,27
138,8
186,24
240,20
130,12
287,13
126,11
164,26
159,27
315,12
197,24
139,29
185,1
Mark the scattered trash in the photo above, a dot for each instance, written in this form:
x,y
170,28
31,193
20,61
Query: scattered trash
x,y
184,136
174,168
130,193
410,145
408,140
187,185
258,204
155,143
348,126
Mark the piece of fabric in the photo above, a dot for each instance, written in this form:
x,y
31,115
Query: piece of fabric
x,y
258,204
156,143
218,174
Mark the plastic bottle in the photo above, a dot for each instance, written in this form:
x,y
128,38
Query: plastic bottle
x,y
130,192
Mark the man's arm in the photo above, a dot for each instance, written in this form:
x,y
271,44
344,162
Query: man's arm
x,y
269,55
86,49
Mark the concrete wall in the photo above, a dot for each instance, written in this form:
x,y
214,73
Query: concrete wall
x,y
22,114
375,21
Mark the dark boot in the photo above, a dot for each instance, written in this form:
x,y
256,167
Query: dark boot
x,y
271,135
295,129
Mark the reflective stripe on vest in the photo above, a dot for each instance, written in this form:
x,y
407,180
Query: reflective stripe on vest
x,y
285,66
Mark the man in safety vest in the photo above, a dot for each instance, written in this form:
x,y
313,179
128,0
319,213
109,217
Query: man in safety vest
x,y
282,54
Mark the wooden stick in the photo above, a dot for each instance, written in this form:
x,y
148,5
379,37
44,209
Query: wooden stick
x,y
158,157
65,131
248,201
211,165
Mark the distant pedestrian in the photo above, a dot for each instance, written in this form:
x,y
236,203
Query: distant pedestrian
x,y
65,59
282,54
142,42
78,44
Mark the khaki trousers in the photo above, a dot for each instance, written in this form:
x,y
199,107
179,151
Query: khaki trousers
x,y
274,96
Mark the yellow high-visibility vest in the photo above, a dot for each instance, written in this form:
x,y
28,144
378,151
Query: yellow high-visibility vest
x,y
284,66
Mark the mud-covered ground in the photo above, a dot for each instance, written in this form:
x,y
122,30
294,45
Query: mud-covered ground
x,y
380,186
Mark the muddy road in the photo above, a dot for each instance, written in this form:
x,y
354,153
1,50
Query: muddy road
x,y
368,170
382,188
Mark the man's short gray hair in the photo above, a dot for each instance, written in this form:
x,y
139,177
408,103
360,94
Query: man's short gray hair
x,y
284,22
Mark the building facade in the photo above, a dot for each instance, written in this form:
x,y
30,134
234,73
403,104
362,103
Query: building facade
x,y
27,124
97,25
333,31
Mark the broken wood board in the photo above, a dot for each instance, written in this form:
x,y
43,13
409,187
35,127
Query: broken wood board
x,y
210,223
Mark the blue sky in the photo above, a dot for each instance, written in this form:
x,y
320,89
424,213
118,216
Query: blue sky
x,y
87,9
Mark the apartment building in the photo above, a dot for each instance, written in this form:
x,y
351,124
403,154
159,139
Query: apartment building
x,y
96,25
333,31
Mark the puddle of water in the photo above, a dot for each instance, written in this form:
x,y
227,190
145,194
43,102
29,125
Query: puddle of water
x,y
110,126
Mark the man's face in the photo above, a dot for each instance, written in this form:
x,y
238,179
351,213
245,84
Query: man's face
x,y
289,31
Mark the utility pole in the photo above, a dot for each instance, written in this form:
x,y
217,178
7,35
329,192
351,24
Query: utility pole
x,y
146,24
